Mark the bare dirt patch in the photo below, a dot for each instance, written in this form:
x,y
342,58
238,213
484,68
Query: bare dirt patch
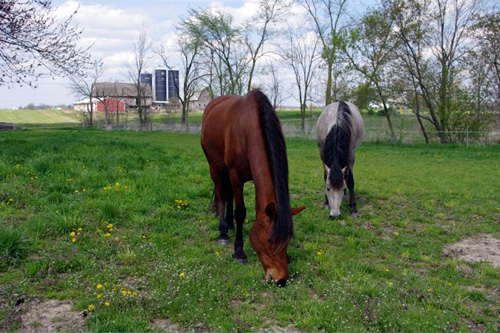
x,y
481,248
166,326
51,316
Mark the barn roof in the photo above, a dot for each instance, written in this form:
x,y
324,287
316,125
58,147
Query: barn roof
x,y
118,89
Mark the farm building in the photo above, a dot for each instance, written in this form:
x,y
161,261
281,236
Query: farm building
x,y
114,97
202,101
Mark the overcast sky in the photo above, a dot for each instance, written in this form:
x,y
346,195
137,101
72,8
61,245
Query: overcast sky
x,y
111,26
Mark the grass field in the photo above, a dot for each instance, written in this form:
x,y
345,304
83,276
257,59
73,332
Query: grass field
x,y
95,218
30,117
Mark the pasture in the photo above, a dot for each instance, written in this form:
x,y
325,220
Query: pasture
x,y
118,223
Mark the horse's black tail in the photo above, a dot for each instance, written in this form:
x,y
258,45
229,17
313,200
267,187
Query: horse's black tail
x,y
276,153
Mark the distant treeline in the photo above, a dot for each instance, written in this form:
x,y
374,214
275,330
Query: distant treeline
x,y
32,106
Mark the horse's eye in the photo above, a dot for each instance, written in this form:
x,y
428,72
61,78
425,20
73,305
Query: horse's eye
x,y
328,189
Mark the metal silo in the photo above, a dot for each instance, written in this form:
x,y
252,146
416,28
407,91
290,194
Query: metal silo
x,y
173,84
160,85
147,78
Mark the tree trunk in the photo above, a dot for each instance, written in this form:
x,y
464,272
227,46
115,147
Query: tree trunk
x,y
328,93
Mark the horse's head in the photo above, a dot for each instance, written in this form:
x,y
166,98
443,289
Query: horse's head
x,y
335,185
272,256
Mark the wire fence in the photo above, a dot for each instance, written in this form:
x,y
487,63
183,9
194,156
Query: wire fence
x,y
292,128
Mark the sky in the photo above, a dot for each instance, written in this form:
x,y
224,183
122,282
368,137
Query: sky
x,y
111,26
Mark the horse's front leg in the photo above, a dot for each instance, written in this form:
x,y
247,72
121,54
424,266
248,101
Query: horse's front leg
x,y
240,215
352,196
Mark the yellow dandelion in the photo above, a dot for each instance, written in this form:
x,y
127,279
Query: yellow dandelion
x,y
109,226
73,240
108,234
84,190
124,292
107,304
144,236
182,274
429,290
117,239
386,270
449,283
72,234
80,229
319,253
117,184
99,286
98,295
76,191
129,292
91,307
134,293
78,234
389,283
11,200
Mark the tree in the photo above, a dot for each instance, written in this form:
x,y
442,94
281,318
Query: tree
x,y
259,25
83,85
327,16
34,43
142,49
437,27
301,55
223,47
371,50
486,32
189,50
274,87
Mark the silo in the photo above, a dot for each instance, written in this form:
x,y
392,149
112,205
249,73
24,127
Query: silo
x,y
173,84
147,78
161,85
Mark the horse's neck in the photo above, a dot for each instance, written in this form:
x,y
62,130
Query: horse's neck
x,y
262,177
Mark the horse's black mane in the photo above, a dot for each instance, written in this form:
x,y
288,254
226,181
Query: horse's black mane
x,y
276,152
336,148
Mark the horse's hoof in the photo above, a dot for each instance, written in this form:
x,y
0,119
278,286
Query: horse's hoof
x,y
223,241
355,215
242,261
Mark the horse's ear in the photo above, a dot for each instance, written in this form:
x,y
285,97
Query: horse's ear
x,y
327,169
271,210
297,210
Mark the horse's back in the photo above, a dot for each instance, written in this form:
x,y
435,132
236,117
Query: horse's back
x,y
329,117
225,126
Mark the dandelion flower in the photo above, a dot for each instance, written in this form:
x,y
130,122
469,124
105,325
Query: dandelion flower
x,y
72,234
108,234
91,307
182,274
109,226
124,292
389,283
76,191
99,286
73,240
135,293
80,229
107,304
319,253
98,295
10,199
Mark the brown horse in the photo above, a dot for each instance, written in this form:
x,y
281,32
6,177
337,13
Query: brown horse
x,y
242,140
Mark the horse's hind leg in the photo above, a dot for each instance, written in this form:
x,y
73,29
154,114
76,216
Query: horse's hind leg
x,y
220,197
240,215
228,190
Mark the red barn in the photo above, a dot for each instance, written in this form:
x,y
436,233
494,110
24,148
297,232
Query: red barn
x,y
111,104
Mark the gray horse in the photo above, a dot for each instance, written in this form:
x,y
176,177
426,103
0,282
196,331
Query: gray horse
x,y
339,131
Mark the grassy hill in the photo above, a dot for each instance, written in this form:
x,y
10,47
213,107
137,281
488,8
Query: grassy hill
x,y
20,117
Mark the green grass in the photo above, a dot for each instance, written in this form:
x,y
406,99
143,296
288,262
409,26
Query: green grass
x,y
382,272
45,117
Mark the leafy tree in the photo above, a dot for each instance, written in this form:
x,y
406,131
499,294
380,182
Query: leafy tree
x,y
371,50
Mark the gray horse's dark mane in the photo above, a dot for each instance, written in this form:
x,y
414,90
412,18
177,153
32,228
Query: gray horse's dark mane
x,y
336,148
